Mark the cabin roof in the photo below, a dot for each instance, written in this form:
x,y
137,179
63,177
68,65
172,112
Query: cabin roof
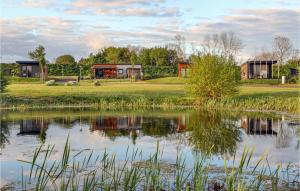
x,y
260,62
28,62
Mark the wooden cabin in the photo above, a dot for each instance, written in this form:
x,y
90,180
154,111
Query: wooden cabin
x,y
257,69
183,69
30,69
117,71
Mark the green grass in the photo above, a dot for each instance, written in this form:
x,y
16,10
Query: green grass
x,y
15,79
167,80
144,94
262,81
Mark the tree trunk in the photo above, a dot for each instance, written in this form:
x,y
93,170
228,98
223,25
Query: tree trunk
x,y
42,74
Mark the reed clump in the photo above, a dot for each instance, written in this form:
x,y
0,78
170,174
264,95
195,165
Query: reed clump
x,y
81,171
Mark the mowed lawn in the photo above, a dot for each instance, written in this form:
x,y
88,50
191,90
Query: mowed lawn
x,y
145,88
117,88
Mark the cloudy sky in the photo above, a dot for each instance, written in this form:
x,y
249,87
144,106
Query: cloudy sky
x,y
79,27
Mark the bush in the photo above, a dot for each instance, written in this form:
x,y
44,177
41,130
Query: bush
x,y
71,83
293,80
3,81
50,83
150,72
63,69
213,78
97,83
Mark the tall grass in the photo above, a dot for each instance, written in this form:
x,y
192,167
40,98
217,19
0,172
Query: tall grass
x,y
80,171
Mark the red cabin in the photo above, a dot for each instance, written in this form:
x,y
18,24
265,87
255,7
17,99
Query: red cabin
x,y
183,69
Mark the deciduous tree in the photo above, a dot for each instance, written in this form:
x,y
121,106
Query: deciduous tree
x,y
282,48
39,55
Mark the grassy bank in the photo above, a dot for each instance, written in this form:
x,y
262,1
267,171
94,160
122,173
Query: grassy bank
x,y
143,94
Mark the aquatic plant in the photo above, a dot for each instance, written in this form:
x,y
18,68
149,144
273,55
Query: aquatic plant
x,y
80,171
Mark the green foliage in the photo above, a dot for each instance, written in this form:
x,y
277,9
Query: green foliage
x,y
261,81
285,69
63,69
65,59
213,77
21,80
39,55
3,81
12,69
105,172
151,72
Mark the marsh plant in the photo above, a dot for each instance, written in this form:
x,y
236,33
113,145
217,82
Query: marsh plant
x,y
82,171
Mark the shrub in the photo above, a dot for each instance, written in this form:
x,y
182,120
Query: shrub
x,y
3,81
293,80
71,83
50,83
97,83
213,78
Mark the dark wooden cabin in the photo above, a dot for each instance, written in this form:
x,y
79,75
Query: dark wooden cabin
x,y
257,69
29,68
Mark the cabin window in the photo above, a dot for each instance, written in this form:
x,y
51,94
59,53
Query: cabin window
x,y
120,71
27,71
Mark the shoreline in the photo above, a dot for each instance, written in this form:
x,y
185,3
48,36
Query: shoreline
x,y
142,102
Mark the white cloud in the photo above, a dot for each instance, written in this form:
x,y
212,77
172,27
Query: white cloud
x,y
255,27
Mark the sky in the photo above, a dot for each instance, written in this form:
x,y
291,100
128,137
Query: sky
x,y
81,27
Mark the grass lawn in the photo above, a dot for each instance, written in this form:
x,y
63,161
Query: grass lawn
x,y
152,92
167,80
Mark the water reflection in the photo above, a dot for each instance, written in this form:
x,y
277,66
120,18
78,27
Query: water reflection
x,y
37,126
4,131
208,132
189,132
214,133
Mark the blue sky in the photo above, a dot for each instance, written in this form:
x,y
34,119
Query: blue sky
x,y
79,27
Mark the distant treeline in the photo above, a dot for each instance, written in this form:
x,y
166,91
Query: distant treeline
x,y
156,62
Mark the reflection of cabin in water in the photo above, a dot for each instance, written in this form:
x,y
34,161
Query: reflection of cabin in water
x,y
260,126
33,126
117,123
181,123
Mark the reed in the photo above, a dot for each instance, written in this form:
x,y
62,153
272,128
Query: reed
x,y
81,171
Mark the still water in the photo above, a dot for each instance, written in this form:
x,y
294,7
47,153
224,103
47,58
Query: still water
x,y
222,135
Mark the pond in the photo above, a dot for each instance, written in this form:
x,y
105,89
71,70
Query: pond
x,y
219,135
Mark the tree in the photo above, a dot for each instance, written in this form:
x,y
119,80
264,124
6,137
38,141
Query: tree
x,y
265,55
65,59
3,81
282,48
213,77
226,44
39,55
112,55
133,61
180,47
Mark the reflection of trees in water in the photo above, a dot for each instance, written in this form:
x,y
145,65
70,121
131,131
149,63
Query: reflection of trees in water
x,y
156,126
4,131
67,121
213,133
